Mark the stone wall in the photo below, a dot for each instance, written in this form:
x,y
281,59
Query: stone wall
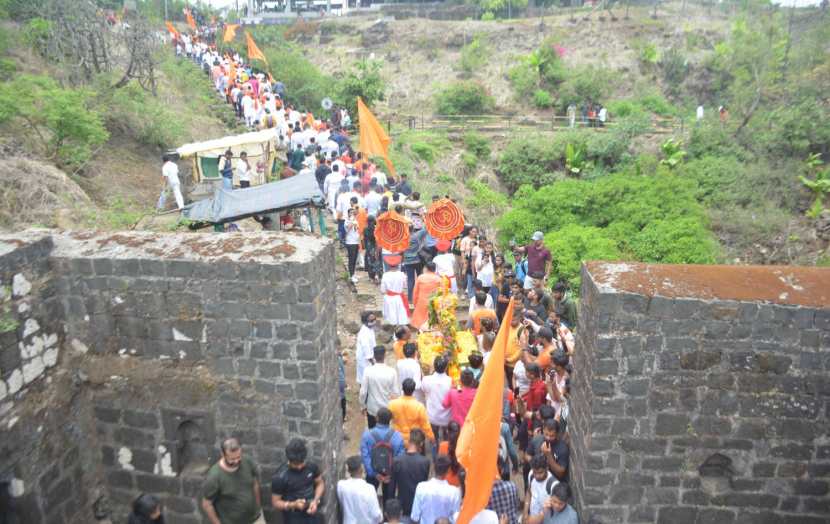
x,y
701,394
41,473
183,340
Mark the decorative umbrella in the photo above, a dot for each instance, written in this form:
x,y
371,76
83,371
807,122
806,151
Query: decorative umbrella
x,y
392,232
444,220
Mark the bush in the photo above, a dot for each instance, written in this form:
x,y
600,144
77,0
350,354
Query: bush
x,y
524,80
584,83
527,160
36,34
488,16
61,119
152,122
574,244
477,144
474,55
542,99
651,218
463,98
305,85
484,197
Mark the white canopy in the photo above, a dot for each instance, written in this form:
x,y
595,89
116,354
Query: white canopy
x,y
218,146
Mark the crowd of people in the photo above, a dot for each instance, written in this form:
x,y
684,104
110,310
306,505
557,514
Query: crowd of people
x,y
407,470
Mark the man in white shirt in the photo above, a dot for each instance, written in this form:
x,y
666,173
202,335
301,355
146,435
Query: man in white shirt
x,y
366,342
243,170
170,174
344,199
248,111
445,263
358,499
379,386
537,479
373,199
409,367
436,498
435,387
380,177
330,186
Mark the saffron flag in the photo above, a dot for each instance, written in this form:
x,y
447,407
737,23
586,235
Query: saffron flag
x,y
373,139
190,21
253,51
230,32
171,29
478,443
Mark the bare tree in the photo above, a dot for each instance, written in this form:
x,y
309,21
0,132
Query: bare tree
x,y
81,38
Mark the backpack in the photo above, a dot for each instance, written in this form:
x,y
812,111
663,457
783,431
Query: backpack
x,y
381,454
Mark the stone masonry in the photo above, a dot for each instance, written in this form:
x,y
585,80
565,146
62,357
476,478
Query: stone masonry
x,y
701,395
145,350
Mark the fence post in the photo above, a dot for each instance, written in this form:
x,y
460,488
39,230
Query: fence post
x,y
389,126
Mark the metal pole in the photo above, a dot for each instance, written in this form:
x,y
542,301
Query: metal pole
x,y
165,10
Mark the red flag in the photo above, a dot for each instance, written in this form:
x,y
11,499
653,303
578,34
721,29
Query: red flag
x,y
478,444
373,139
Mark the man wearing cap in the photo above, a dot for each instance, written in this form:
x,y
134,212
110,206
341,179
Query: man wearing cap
x,y
539,259
393,286
445,263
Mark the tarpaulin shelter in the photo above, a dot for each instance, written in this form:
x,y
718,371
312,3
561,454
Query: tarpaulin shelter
x,y
260,146
229,205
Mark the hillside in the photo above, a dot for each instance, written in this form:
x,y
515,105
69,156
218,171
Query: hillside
x,y
737,196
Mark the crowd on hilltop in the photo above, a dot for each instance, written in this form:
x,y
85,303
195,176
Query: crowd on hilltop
x,y
407,470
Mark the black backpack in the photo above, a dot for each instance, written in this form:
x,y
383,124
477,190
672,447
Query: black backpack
x,y
382,455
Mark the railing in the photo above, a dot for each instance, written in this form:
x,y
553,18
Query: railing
x,y
495,123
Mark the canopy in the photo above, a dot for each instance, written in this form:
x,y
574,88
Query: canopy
x,y
226,205
220,145
444,220
392,232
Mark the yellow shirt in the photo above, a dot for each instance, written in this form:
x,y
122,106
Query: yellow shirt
x,y
514,350
408,413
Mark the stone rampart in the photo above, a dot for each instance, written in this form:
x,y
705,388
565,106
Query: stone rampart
x,y
702,394
167,344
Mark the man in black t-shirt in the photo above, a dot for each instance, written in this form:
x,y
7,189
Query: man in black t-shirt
x,y
297,487
409,469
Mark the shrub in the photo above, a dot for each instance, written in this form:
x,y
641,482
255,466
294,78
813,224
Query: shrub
x,y
305,85
657,104
676,241
36,34
484,197
474,55
574,244
61,119
463,98
584,83
527,160
542,99
151,120
477,144
488,16
524,80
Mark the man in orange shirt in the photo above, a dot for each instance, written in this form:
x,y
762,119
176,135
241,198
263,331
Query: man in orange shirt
x,y
408,413
480,312
514,346
425,286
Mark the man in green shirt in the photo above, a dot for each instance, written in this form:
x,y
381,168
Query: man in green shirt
x,y
231,493
564,305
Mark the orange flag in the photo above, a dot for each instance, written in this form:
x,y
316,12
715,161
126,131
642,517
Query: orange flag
x,y
230,32
171,29
253,51
478,444
373,139
190,21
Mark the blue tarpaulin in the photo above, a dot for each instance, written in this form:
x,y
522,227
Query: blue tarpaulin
x,y
227,205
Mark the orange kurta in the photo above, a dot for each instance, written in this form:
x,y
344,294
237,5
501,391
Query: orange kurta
x,y
425,286
476,317
408,413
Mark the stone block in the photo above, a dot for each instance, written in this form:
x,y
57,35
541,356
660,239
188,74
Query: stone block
x,y
763,470
700,360
636,387
625,495
107,415
144,460
595,479
308,351
120,479
661,496
180,504
746,500
602,388
158,484
712,426
715,516
134,438
668,464
646,446
676,515
668,424
140,419
817,488
307,390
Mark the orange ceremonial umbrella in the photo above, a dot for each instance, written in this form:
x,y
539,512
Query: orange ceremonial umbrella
x,y
444,220
392,232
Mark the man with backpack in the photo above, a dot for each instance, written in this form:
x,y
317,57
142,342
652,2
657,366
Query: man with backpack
x,y
379,446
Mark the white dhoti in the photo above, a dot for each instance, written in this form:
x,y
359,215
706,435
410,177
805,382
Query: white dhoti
x,y
395,307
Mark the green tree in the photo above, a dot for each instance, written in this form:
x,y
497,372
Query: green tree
x,y
363,81
61,119
574,244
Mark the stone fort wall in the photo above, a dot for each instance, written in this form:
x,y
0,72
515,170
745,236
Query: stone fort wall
x,y
127,357
702,395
